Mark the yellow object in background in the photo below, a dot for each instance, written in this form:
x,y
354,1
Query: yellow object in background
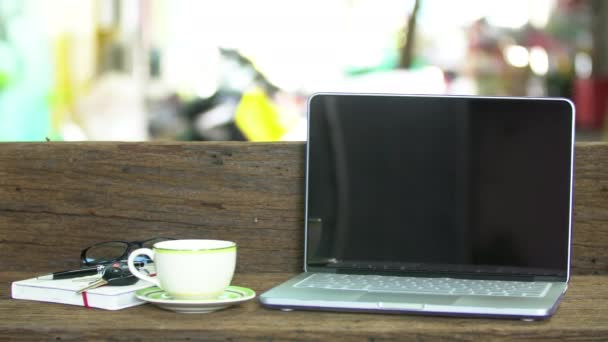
x,y
259,119
62,97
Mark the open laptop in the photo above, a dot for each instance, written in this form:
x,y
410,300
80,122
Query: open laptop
x,y
445,205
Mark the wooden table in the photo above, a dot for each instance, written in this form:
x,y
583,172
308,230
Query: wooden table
x,y
57,198
583,315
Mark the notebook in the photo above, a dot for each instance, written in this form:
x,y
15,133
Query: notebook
x,y
64,291
443,205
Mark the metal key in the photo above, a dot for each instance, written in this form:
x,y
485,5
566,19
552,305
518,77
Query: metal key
x,y
93,285
116,274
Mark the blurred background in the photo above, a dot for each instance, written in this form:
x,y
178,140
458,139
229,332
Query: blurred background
x,y
127,70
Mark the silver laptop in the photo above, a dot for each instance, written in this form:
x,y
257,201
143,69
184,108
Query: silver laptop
x,y
440,205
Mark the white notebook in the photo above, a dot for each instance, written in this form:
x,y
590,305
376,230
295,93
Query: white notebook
x,y
65,291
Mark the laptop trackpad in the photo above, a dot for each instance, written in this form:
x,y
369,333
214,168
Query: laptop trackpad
x,y
416,301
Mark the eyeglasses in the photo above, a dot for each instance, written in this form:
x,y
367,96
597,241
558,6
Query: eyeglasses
x,y
107,252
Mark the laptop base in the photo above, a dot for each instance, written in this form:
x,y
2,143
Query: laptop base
x,y
286,297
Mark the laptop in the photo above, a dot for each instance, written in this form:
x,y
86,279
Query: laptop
x,y
443,205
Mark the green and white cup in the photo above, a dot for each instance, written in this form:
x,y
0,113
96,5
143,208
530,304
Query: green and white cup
x,y
190,269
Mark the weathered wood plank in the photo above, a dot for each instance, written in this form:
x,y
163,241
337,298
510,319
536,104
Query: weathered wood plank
x,y
57,198
583,315
75,194
590,229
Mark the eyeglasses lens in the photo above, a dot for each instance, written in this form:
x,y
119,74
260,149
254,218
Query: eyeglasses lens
x,y
106,252
150,243
147,244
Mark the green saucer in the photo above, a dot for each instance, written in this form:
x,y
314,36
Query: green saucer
x,y
232,295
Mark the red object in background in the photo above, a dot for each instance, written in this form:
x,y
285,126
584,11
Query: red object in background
x,y
591,100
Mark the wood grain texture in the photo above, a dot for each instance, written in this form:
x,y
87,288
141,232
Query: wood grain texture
x,y
57,198
590,229
583,315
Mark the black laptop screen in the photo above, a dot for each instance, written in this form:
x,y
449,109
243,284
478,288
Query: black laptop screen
x,y
439,184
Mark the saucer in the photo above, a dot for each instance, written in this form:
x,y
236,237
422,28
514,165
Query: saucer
x,y
231,296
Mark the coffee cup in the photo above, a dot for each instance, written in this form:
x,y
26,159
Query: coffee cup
x,y
189,269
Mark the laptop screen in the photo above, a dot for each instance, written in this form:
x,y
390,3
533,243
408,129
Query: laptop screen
x,y
439,185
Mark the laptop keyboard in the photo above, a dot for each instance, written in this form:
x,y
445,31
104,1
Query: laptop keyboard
x,y
418,285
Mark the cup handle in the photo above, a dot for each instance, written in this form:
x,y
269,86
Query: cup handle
x,y
135,271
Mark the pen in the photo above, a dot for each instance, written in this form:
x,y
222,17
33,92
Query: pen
x,y
81,272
